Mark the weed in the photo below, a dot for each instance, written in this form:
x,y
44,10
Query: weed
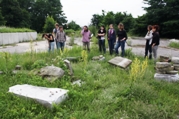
x,y
174,45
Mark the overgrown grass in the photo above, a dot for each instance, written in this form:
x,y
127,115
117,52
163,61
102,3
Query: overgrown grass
x,y
104,95
174,45
14,30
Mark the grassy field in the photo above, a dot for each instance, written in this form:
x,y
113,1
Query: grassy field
x,y
14,30
174,45
108,92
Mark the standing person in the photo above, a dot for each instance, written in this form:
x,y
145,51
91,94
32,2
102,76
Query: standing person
x,y
111,38
50,39
122,37
155,40
86,36
148,38
55,32
60,38
101,39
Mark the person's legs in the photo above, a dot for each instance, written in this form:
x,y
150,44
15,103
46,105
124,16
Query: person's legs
x,y
103,46
52,45
111,46
150,51
88,46
62,44
117,47
146,48
58,45
154,49
123,47
84,46
100,45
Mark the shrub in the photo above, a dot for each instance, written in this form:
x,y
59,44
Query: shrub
x,y
69,32
49,24
39,64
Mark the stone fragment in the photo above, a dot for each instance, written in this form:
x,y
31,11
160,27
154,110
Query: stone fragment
x,y
120,61
43,95
163,65
175,60
167,77
18,67
164,59
68,64
172,72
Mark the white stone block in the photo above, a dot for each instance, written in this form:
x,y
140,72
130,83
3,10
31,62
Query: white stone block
x,y
167,77
43,95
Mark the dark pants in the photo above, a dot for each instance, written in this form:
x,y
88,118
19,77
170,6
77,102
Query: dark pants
x,y
60,45
111,46
102,47
148,48
122,45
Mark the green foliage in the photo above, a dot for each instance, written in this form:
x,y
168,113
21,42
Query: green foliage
x,y
93,30
74,26
2,21
39,64
174,45
49,24
69,32
13,30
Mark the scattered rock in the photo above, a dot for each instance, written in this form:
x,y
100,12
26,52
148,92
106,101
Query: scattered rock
x,y
176,67
73,59
175,60
43,95
1,72
78,82
100,58
52,72
68,64
167,77
15,71
160,65
120,61
172,72
18,67
164,59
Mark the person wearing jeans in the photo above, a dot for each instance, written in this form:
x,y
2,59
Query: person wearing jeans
x,y
101,39
122,37
86,36
61,38
148,38
155,41
51,42
111,38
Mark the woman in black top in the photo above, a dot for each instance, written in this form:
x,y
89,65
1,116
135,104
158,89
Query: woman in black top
x,y
122,37
50,39
155,40
101,39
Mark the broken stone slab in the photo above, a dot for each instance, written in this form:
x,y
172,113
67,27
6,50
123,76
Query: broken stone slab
x,y
43,95
164,59
68,64
100,58
120,61
163,65
172,72
73,59
167,77
175,60
18,67
52,71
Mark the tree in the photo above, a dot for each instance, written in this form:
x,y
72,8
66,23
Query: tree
x,y
2,21
166,14
49,24
13,14
73,25
109,18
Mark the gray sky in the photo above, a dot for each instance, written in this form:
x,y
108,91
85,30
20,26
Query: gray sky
x,y
81,11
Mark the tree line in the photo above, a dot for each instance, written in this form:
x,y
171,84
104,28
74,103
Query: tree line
x,y
30,13
164,13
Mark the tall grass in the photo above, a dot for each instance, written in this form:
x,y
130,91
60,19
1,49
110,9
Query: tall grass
x,y
174,45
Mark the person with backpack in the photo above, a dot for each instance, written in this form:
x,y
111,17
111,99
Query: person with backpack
x,y
86,36
60,38
101,39
148,37
50,39
111,38
55,32
122,37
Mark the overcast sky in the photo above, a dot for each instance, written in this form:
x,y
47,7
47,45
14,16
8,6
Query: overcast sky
x,y
81,11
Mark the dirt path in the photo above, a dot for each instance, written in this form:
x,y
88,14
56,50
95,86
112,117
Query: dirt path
x,y
138,47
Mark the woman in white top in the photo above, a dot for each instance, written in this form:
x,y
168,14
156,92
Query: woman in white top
x,y
148,38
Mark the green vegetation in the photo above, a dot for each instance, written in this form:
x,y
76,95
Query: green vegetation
x,y
106,94
49,25
14,30
174,45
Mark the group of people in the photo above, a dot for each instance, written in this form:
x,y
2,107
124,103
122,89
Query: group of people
x,y
152,39
58,36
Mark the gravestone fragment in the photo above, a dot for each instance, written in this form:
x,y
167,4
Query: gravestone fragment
x,y
43,95
175,60
52,72
167,77
73,59
68,64
78,82
99,58
120,62
164,59
18,67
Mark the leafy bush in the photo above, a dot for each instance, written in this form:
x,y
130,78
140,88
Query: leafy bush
x,y
69,32
49,24
93,30
39,64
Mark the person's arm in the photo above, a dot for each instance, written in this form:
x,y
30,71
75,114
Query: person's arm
x,y
82,32
148,37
